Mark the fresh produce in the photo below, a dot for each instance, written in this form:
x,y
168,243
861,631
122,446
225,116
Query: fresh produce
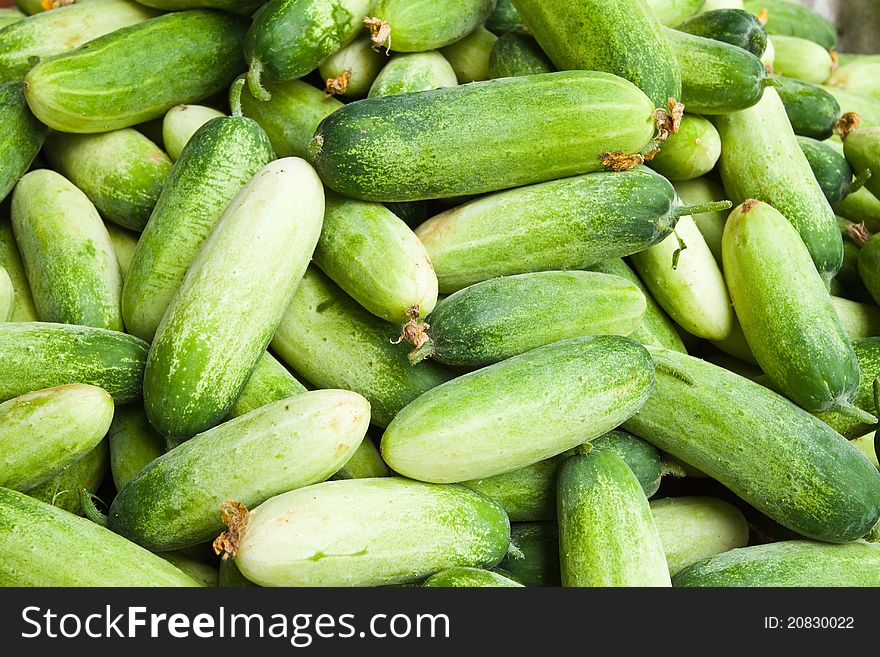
x,y
64,489
10,259
792,19
7,296
421,25
412,72
691,152
21,136
801,59
734,26
862,150
470,57
181,122
858,77
832,171
517,53
468,577
352,70
812,111
134,444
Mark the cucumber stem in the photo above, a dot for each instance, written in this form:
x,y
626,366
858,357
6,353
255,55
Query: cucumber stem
x,y
855,413
254,80
771,82
860,181
714,206
419,354
91,511
235,95
681,247
858,233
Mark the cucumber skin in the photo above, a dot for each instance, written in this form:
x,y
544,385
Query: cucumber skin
x,y
670,12
269,382
7,296
464,577
10,15
607,536
122,172
777,457
235,6
421,25
63,490
413,72
23,309
862,150
533,558
868,352
215,164
21,136
641,457
801,59
859,77
365,463
517,53
761,159
690,153
334,343
134,444
734,26
789,564
455,432
504,18
711,224
31,531
564,224
181,122
362,63
861,206
36,355
868,109
790,19
470,56
831,169
124,243
69,92
869,267
444,123
623,38
812,111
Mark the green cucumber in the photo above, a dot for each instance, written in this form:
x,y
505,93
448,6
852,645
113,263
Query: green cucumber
x,y
175,501
734,26
269,382
695,528
201,572
517,53
63,490
220,158
365,463
290,38
778,458
869,267
761,159
641,457
112,84
122,172
470,56
862,150
180,123
504,18
594,35
10,15
502,317
7,296
411,72
60,30
868,352
691,152
235,6
21,136
43,432
701,191
861,206
421,25
716,77
533,558
805,351
788,564
369,532
36,355
134,444
230,576
859,320
417,140
848,276
30,7
374,256
333,342
801,59
791,19
351,71
23,309
607,536
832,171
32,531
464,577
252,261
712,5
68,256
457,431
812,111
868,109
124,245
672,12
858,77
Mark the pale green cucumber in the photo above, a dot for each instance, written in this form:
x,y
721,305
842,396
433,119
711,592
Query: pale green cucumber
x,y
868,109
711,5
673,12
124,243
64,489
801,59
10,15
7,296
793,19
21,136
351,71
23,309
269,382
420,25
470,56
691,152
204,574
464,577
862,150
861,206
365,463
865,444
859,320
858,77
736,344
134,444
411,72
181,122
701,191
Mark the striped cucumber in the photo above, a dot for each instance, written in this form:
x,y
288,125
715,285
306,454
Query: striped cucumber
x,y
63,490
791,19
368,532
734,26
122,172
517,53
7,296
812,111
623,38
456,431
504,18
111,84
832,171
23,309
463,577
352,70
470,56
175,501
691,152
804,349
181,122
251,262
607,536
134,444
416,155
220,158
70,262
21,136
269,382
801,59
672,12
761,159
858,77
778,458
533,558
862,150
411,72
701,191
124,245
421,25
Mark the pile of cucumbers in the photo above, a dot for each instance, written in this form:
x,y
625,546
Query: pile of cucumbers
x,y
451,293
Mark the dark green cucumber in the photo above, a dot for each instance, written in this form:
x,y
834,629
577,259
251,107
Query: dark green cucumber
x,y
812,111
417,140
792,19
230,576
623,38
134,444
23,309
868,352
413,213
422,25
641,457
734,26
779,458
235,6
111,83
504,18
463,577
21,136
411,72
63,490
832,171
533,558
517,53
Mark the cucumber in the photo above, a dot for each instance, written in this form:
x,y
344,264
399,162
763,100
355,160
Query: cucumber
x,y
421,25
216,163
695,528
222,317
607,536
43,432
290,38
712,5
848,276
10,15
121,172
533,558
801,59
7,296
334,343
181,122
517,53
369,532
134,444
761,159
36,355
862,150
716,77
374,256
672,12
201,572
365,463
690,287
641,457
861,206
859,320
456,432
23,303
868,352
51,33
67,253
63,490
235,6
463,577
291,116
351,71
413,213
124,245
32,531
868,109
504,18
701,191
791,19
502,317
21,136
111,84
30,7
833,173
691,152
780,459
470,56
230,576
858,77
269,382
174,502
416,152
411,72
803,348
869,267
734,26
812,111
789,564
